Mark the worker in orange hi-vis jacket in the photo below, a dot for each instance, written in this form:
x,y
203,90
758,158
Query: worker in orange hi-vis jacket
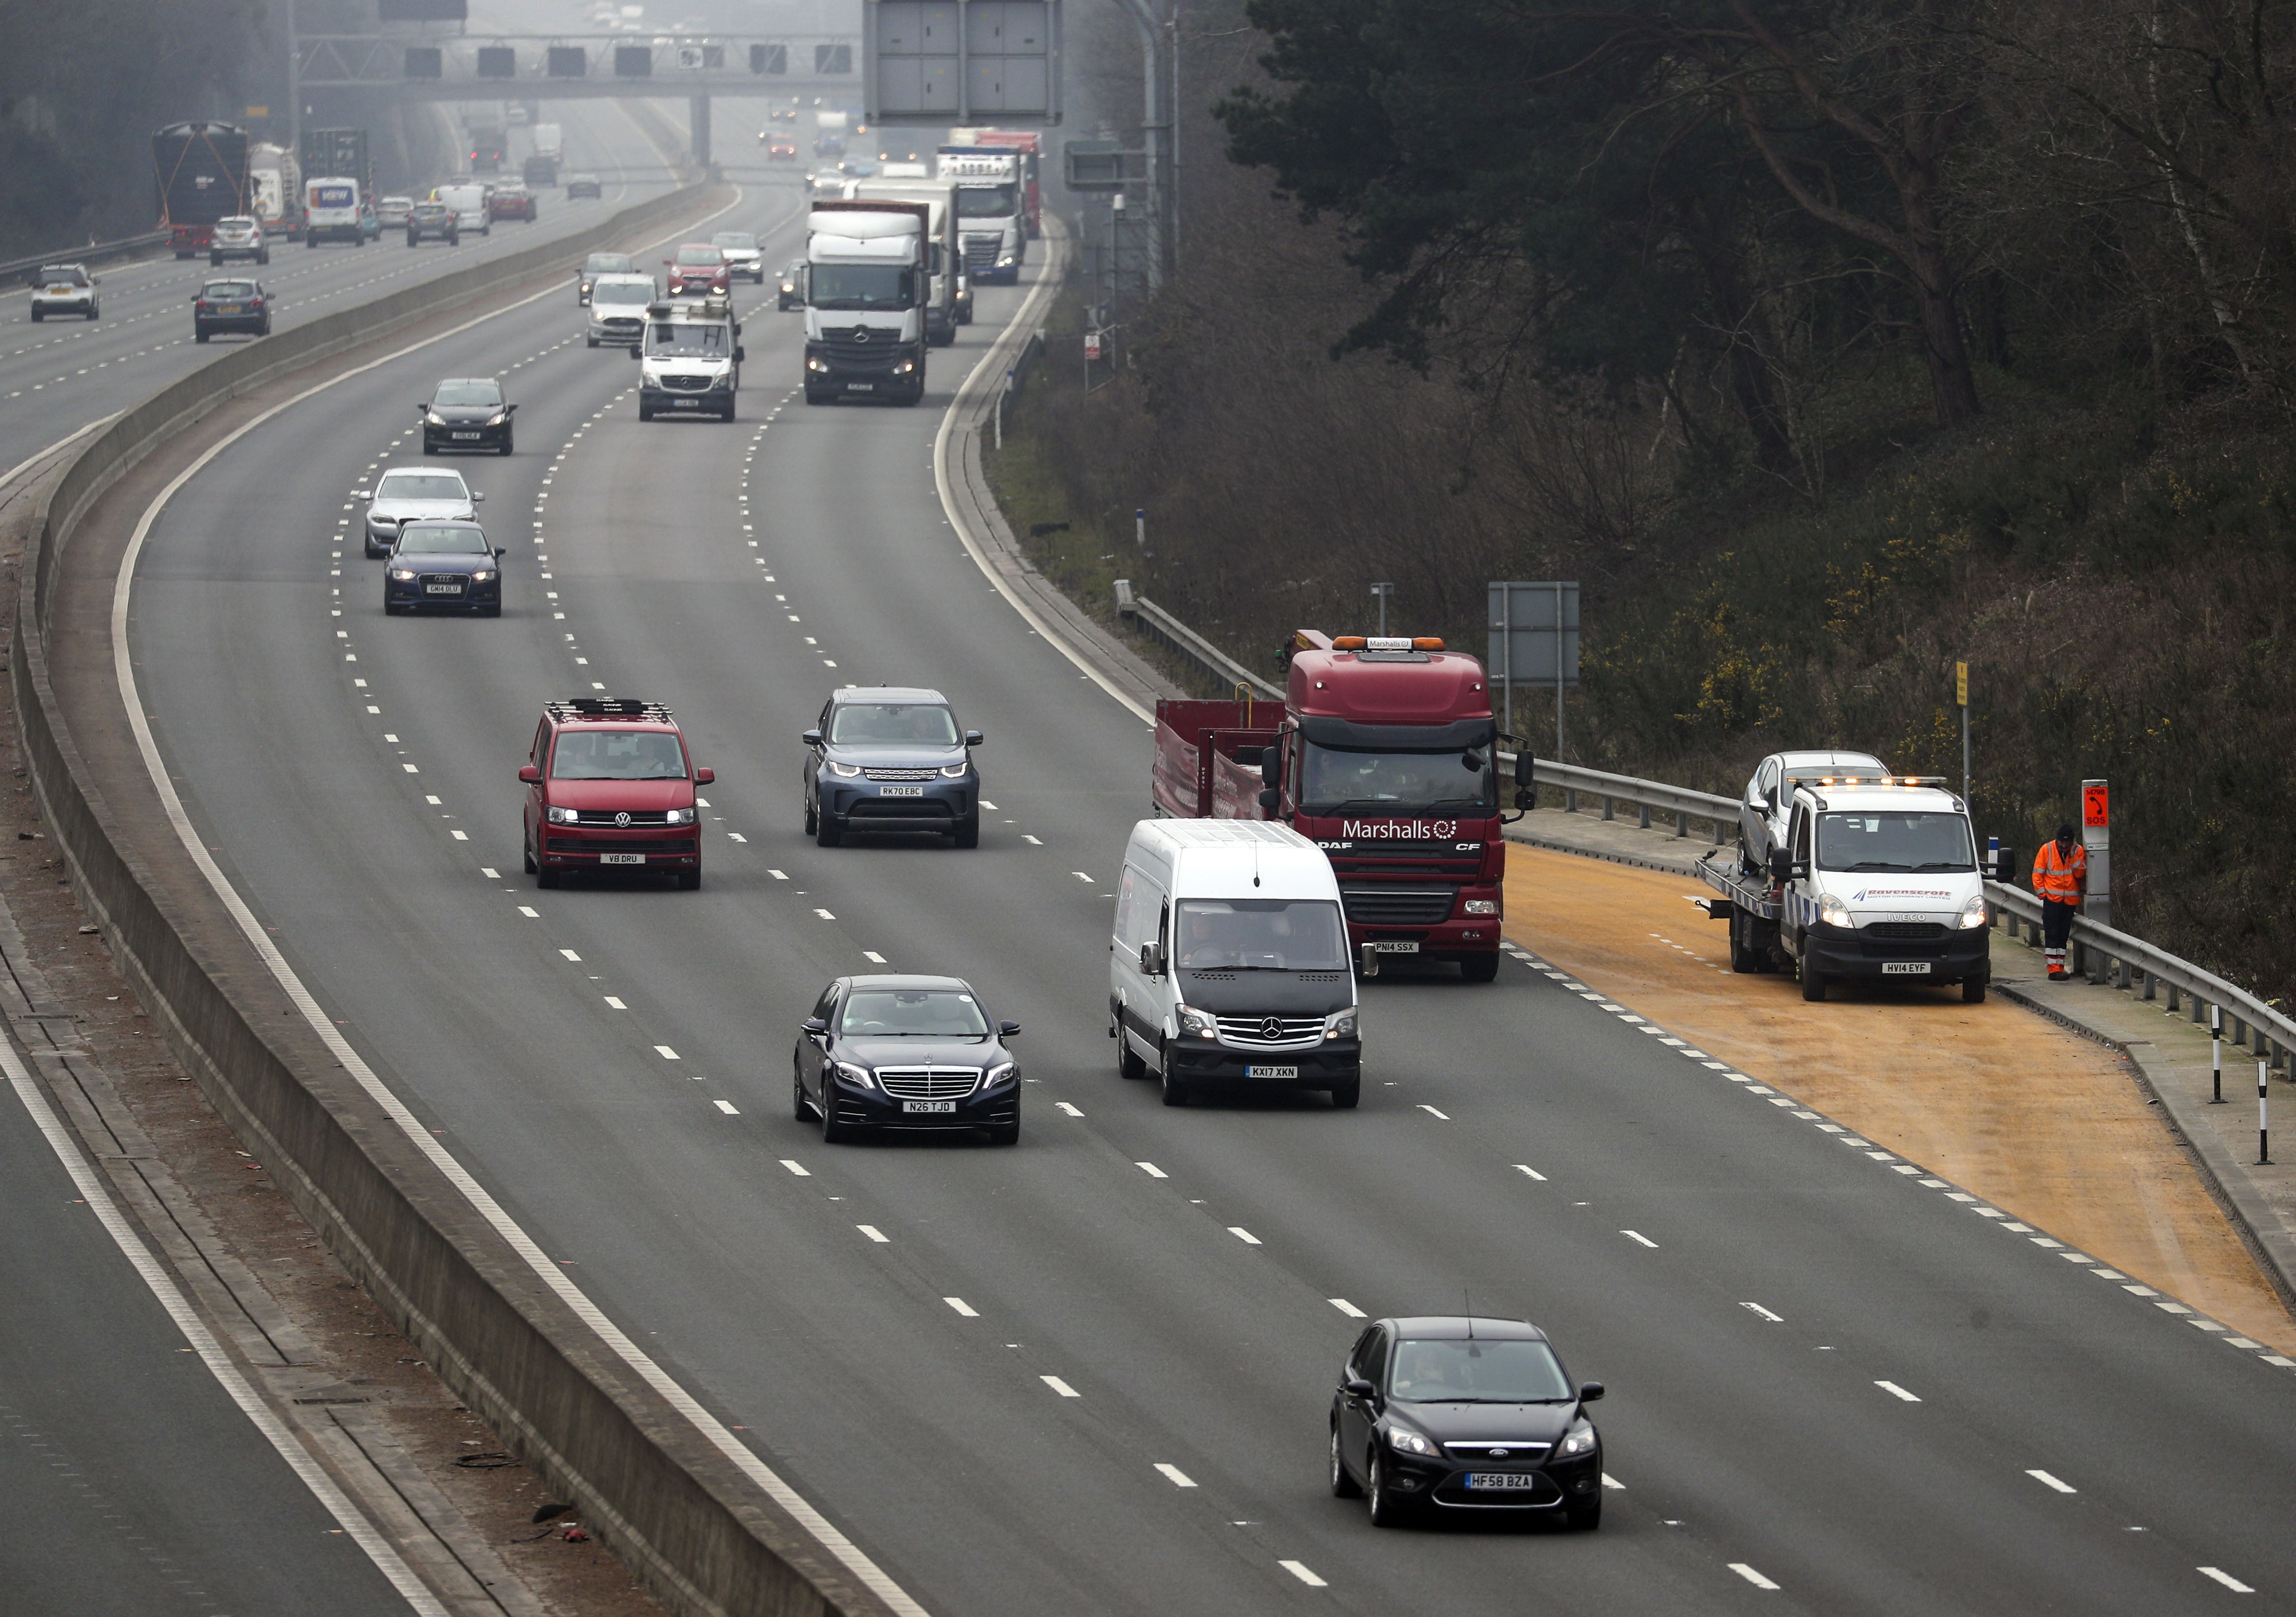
x,y
2061,881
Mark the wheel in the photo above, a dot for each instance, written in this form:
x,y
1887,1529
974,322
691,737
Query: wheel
x,y
1129,1064
1386,1510
1813,984
689,881
94,312
828,832
811,395
1973,990
1585,1515
728,413
526,852
1005,1134
215,260
263,257
645,412
967,833
196,336
491,611
429,448
1176,1087
1345,1095
37,316
811,823
832,1132
1742,958
1479,968
594,342
799,1104
1343,1485
506,442
311,240
544,876
411,238
266,332
372,555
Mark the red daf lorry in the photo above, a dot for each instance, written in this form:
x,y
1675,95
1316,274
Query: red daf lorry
x,y
1384,754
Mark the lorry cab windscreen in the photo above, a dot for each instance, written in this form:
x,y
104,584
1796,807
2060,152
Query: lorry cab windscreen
x,y
986,202
858,286
689,341
1896,841
894,723
1260,935
617,755
1393,783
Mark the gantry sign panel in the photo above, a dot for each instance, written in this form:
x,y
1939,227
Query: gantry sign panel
x,y
960,62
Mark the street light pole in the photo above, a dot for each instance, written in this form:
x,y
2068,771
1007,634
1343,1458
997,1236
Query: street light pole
x,y
294,95
1155,36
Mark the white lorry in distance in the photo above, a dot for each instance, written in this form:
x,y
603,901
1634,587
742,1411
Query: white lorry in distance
x,y
690,362
941,319
829,134
549,140
331,211
991,216
866,281
274,185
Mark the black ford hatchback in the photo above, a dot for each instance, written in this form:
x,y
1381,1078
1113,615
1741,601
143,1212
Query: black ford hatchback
x,y
467,412
888,1052
1463,1415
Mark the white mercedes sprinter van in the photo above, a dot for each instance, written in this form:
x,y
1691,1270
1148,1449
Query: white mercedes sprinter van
x,y
1228,962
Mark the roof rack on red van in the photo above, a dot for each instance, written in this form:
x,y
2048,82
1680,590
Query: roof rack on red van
x,y
569,708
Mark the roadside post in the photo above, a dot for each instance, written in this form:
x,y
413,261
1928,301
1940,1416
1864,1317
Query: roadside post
x,y
1534,638
1140,527
1961,696
1385,593
2263,1133
2096,839
2216,1055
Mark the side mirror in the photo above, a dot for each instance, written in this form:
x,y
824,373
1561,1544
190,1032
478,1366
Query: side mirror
x,y
705,776
1781,864
1269,798
2005,869
1008,1030
811,738
1271,767
741,354
1589,1391
529,774
1151,959
1523,763
422,409
1357,1387
510,409
669,260
500,553
972,738
1367,961
476,496
362,493
635,353
1757,802
815,1027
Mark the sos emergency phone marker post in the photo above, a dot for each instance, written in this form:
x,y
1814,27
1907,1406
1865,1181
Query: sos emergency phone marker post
x,y
1961,696
2263,1103
2216,1055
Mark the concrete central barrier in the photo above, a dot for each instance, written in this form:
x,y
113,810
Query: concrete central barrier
x,y
698,1527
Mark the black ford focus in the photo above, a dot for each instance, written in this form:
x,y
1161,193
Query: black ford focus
x,y
900,1052
467,412
1463,1415
443,563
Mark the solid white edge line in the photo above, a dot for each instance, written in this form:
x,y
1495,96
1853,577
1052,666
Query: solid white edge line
x,y
1752,1576
1299,1569
847,1553
1046,282
163,1288
1174,1475
2047,1481
2225,1578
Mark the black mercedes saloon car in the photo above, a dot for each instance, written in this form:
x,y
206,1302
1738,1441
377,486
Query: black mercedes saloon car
x,y
898,1052
1457,1414
467,412
438,562
889,759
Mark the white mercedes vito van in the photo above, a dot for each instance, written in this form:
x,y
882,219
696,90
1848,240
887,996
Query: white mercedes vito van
x,y
1228,963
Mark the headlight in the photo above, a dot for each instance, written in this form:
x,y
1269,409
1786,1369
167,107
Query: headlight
x,y
1972,913
845,771
1341,1024
955,772
497,418
480,575
905,367
723,379
405,575
1407,1441
1203,1024
678,817
1833,911
1482,906
383,522
1001,1073
1579,1439
435,419
563,816
857,1076
1004,260
821,366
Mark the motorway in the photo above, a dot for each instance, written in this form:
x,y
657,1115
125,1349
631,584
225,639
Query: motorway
x,y
1090,1374
137,1484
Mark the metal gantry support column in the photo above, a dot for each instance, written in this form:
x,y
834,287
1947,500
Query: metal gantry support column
x,y
1158,42
294,95
697,124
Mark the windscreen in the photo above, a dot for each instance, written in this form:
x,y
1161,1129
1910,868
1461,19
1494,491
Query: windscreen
x,y
617,755
702,256
689,339
241,223
421,485
213,290
986,202
1260,935
859,286
1449,1372
443,541
467,395
740,240
63,275
1394,783
912,1013
626,291
1895,840
607,264
910,724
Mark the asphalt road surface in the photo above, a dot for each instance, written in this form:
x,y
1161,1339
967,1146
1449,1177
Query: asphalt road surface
x,y
135,1485
1090,1374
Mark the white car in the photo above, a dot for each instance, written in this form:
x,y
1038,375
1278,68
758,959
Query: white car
x,y
63,289
405,494
241,237
743,255
1763,807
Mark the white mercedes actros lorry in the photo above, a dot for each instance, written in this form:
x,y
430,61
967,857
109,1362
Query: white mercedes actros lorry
x,y
867,280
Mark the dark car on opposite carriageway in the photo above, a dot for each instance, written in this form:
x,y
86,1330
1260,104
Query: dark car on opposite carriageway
x,y
906,1052
891,759
1463,1415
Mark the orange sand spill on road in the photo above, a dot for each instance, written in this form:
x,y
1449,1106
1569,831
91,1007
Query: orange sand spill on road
x,y
2042,1123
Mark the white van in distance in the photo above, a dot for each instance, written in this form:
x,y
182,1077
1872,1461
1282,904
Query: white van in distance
x,y
331,212
1228,962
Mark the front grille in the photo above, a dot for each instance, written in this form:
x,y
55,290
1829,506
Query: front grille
x,y
686,384
621,327
1917,932
638,816
900,775
981,253
583,844
899,808
929,1083
1253,1031
844,349
1397,905
1505,1448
